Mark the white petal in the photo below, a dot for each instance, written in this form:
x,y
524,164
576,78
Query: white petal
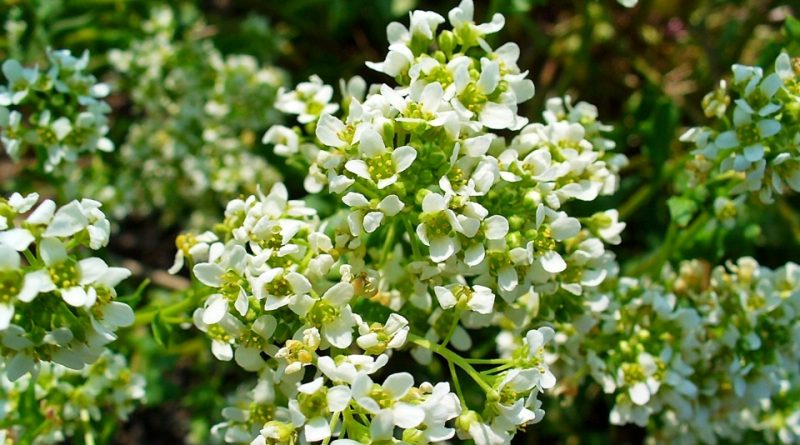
x,y
119,314
338,333
490,76
355,200
19,366
371,143
639,393
565,228
328,129
317,429
442,248
474,255
391,205
339,294
507,278
397,385
209,274
17,239
222,351
496,227
299,283
75,296
372,221
67,221
552,262
727,139
91,269
497,116
754,153
216,308
445,297
482,300
35,283
6,313
248,358
403,157
358,167
433,202
9,258
407,416
338,398
768,127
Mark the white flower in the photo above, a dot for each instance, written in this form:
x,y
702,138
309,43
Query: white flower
x,y
384,401
380,165
438,227
377,338
749,135
309,100
75,282
479,298
286,141
19,81
333,316
461,18
368,216
12,124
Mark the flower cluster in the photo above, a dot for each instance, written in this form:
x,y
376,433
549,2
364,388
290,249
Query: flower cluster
x,y
755,143
57,113
443,227
196,144
56,303
706,357
67,403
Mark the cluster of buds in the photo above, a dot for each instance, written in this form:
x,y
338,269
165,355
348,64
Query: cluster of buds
x,y
57,402
196,144
57,113
755,141
705,356
57,304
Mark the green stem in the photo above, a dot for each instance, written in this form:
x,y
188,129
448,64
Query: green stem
x,y
457,385
388,243
454,358
453,327
361,188
334,422
488,361
412,235
32,261
500,368
146,315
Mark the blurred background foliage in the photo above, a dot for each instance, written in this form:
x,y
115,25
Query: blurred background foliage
x,y
646,68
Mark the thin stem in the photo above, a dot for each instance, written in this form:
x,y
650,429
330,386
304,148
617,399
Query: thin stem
x,y
361,188
412,237
453,327
146,315
457,385
32,261
388,243
454,358
500,368
334,422
487,361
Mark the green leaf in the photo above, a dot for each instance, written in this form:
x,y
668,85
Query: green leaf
x,y
681,210
792,26
161,330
